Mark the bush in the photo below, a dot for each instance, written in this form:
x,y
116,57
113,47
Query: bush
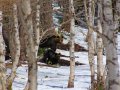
x,y
41,51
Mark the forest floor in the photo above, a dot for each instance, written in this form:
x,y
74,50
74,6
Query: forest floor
x,y
50,78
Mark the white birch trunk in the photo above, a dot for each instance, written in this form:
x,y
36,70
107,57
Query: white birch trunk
x,y
2,58
100,66
90,22
15,37
30,47
37,28
99,48
99,52
113,77
91,57
72,41
91,46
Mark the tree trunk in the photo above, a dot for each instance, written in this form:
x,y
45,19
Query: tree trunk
x,y
109,27
22,34
15,57
2,58
37,28
100,66
36,22
90,23
22,43
72,41
99,53
30,47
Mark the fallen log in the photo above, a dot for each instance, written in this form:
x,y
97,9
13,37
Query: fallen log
x,y
63,62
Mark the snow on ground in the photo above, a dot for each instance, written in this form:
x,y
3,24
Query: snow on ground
x,y
50,78
81,57
54,78
80,36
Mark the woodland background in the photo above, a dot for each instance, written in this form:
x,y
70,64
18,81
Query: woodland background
x,y
24,22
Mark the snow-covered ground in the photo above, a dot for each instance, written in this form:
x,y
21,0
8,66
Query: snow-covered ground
x,y
80,36
54,78
50,78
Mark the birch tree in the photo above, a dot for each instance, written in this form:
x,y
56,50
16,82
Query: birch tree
x,y
90,22
72,41
37,27
100,66
22,33
110,24
30,48
35,6
99,46
16,46
2,58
